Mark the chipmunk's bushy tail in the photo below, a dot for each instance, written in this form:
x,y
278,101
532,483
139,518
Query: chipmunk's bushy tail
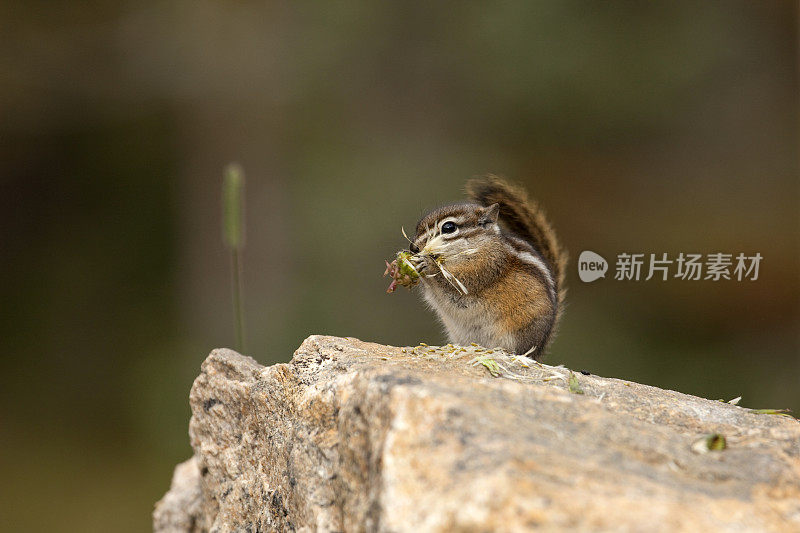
x,y
524,218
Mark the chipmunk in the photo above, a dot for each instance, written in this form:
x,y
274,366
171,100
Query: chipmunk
x,y
492,269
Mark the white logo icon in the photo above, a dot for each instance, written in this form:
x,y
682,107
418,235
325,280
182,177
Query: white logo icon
x,y
591,266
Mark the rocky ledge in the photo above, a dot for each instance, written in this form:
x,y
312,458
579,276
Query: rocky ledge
x,y
354,436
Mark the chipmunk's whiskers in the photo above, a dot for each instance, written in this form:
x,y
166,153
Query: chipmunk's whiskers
x,y
469,251
402,229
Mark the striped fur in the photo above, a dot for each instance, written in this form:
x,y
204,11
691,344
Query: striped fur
x,y
505,256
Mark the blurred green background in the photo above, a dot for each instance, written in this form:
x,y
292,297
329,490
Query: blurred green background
x,y
641,127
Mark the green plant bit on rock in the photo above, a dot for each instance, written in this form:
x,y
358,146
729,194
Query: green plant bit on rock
x,y
574,386
713,442
779,412
491,365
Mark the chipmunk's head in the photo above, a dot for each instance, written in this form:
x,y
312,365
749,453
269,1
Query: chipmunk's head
x,y
454,232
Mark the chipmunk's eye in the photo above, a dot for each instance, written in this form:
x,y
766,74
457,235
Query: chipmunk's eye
x,y
449,227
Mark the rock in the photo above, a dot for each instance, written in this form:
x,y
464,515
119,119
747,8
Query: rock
x,y
179,510
353,436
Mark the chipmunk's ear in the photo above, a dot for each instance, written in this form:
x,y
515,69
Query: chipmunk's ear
x,y
489,215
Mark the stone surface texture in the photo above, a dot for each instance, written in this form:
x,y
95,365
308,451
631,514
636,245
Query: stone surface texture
x,y
354,436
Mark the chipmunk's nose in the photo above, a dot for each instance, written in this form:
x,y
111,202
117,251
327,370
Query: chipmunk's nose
x,y
414,248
